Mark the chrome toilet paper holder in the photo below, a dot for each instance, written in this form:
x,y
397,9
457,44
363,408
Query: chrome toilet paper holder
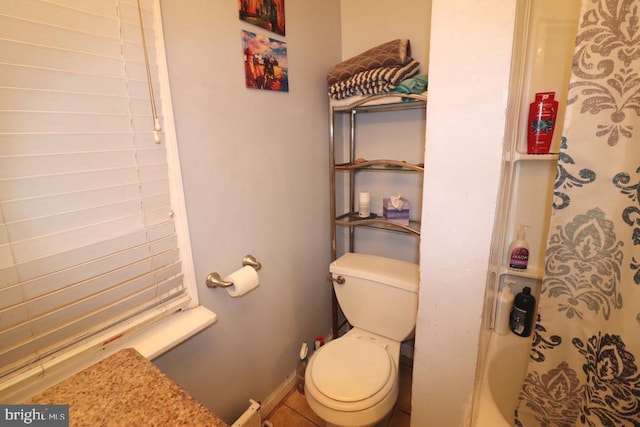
x,y
215,281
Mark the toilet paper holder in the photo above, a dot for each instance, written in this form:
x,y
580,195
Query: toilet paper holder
x,y
215,281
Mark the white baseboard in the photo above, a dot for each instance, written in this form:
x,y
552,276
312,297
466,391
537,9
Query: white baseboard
x,y
278,395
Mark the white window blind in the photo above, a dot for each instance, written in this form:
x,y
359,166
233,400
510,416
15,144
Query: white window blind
x,y
87,238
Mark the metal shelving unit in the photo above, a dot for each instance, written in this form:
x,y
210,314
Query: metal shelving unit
x,y
348,217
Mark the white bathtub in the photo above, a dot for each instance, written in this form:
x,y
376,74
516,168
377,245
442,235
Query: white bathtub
x,y
507,359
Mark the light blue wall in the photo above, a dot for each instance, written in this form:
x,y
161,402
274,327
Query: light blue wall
x,y
255,171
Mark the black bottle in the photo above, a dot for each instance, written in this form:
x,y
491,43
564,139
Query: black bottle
x,y
521,319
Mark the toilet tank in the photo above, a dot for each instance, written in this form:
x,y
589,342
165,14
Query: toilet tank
x,y
379,295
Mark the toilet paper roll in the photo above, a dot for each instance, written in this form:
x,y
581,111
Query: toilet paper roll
x,y
243,281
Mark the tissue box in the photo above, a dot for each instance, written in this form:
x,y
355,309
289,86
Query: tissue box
x,y
390,213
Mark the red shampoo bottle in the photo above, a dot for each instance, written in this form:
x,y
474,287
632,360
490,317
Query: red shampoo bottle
x,y
542,122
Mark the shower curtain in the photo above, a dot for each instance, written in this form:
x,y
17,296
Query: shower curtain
x,y
585,354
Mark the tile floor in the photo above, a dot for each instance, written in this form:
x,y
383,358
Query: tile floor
x,y
295,412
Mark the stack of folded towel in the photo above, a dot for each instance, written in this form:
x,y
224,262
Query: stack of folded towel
x,y
378,70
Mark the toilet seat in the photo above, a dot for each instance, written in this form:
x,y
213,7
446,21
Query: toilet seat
x,y
351,373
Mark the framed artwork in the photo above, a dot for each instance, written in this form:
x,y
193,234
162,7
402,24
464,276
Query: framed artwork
x,y
268,14
265,62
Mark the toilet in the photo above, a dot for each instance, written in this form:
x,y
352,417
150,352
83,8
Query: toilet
x,y
352,381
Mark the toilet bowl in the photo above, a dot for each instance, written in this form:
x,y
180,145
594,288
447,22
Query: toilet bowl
x,y
353,381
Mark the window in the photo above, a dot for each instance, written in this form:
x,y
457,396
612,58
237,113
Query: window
x,y
87,230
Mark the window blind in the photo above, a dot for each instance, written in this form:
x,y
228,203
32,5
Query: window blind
x,y
87,238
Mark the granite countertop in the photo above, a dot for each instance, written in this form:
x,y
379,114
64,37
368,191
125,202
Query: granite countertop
x,y
126,389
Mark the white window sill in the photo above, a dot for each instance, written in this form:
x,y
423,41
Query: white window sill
x,y
171,331
151,341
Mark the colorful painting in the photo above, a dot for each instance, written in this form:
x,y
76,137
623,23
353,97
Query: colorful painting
x,y
268,14
265,62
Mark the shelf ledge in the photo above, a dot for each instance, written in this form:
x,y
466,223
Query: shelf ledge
x,y
382,102
353,220
381,164
530,273
535,157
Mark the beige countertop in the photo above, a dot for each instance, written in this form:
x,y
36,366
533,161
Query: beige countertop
x,y
126,389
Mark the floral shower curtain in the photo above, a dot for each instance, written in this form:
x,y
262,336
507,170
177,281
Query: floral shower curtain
x,y
585,356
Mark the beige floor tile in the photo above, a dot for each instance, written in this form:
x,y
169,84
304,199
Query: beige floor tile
x,y
298,403
287,417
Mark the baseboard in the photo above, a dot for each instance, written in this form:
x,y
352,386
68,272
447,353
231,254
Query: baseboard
x,y
277,396
280,393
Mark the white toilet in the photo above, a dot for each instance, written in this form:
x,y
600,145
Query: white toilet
x,y
353,380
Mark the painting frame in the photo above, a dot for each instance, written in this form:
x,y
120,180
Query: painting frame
x,y
267,14
265,62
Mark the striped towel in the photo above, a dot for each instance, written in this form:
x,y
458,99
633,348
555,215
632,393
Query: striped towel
x,y
374,81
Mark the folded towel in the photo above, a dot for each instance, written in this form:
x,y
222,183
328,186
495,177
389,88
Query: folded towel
x,y
392,53
417,84
370,82
374,100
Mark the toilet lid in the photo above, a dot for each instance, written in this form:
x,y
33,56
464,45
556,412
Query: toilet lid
x,y
351,369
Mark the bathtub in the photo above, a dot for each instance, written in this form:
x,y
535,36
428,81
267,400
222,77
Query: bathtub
x,y
502,377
